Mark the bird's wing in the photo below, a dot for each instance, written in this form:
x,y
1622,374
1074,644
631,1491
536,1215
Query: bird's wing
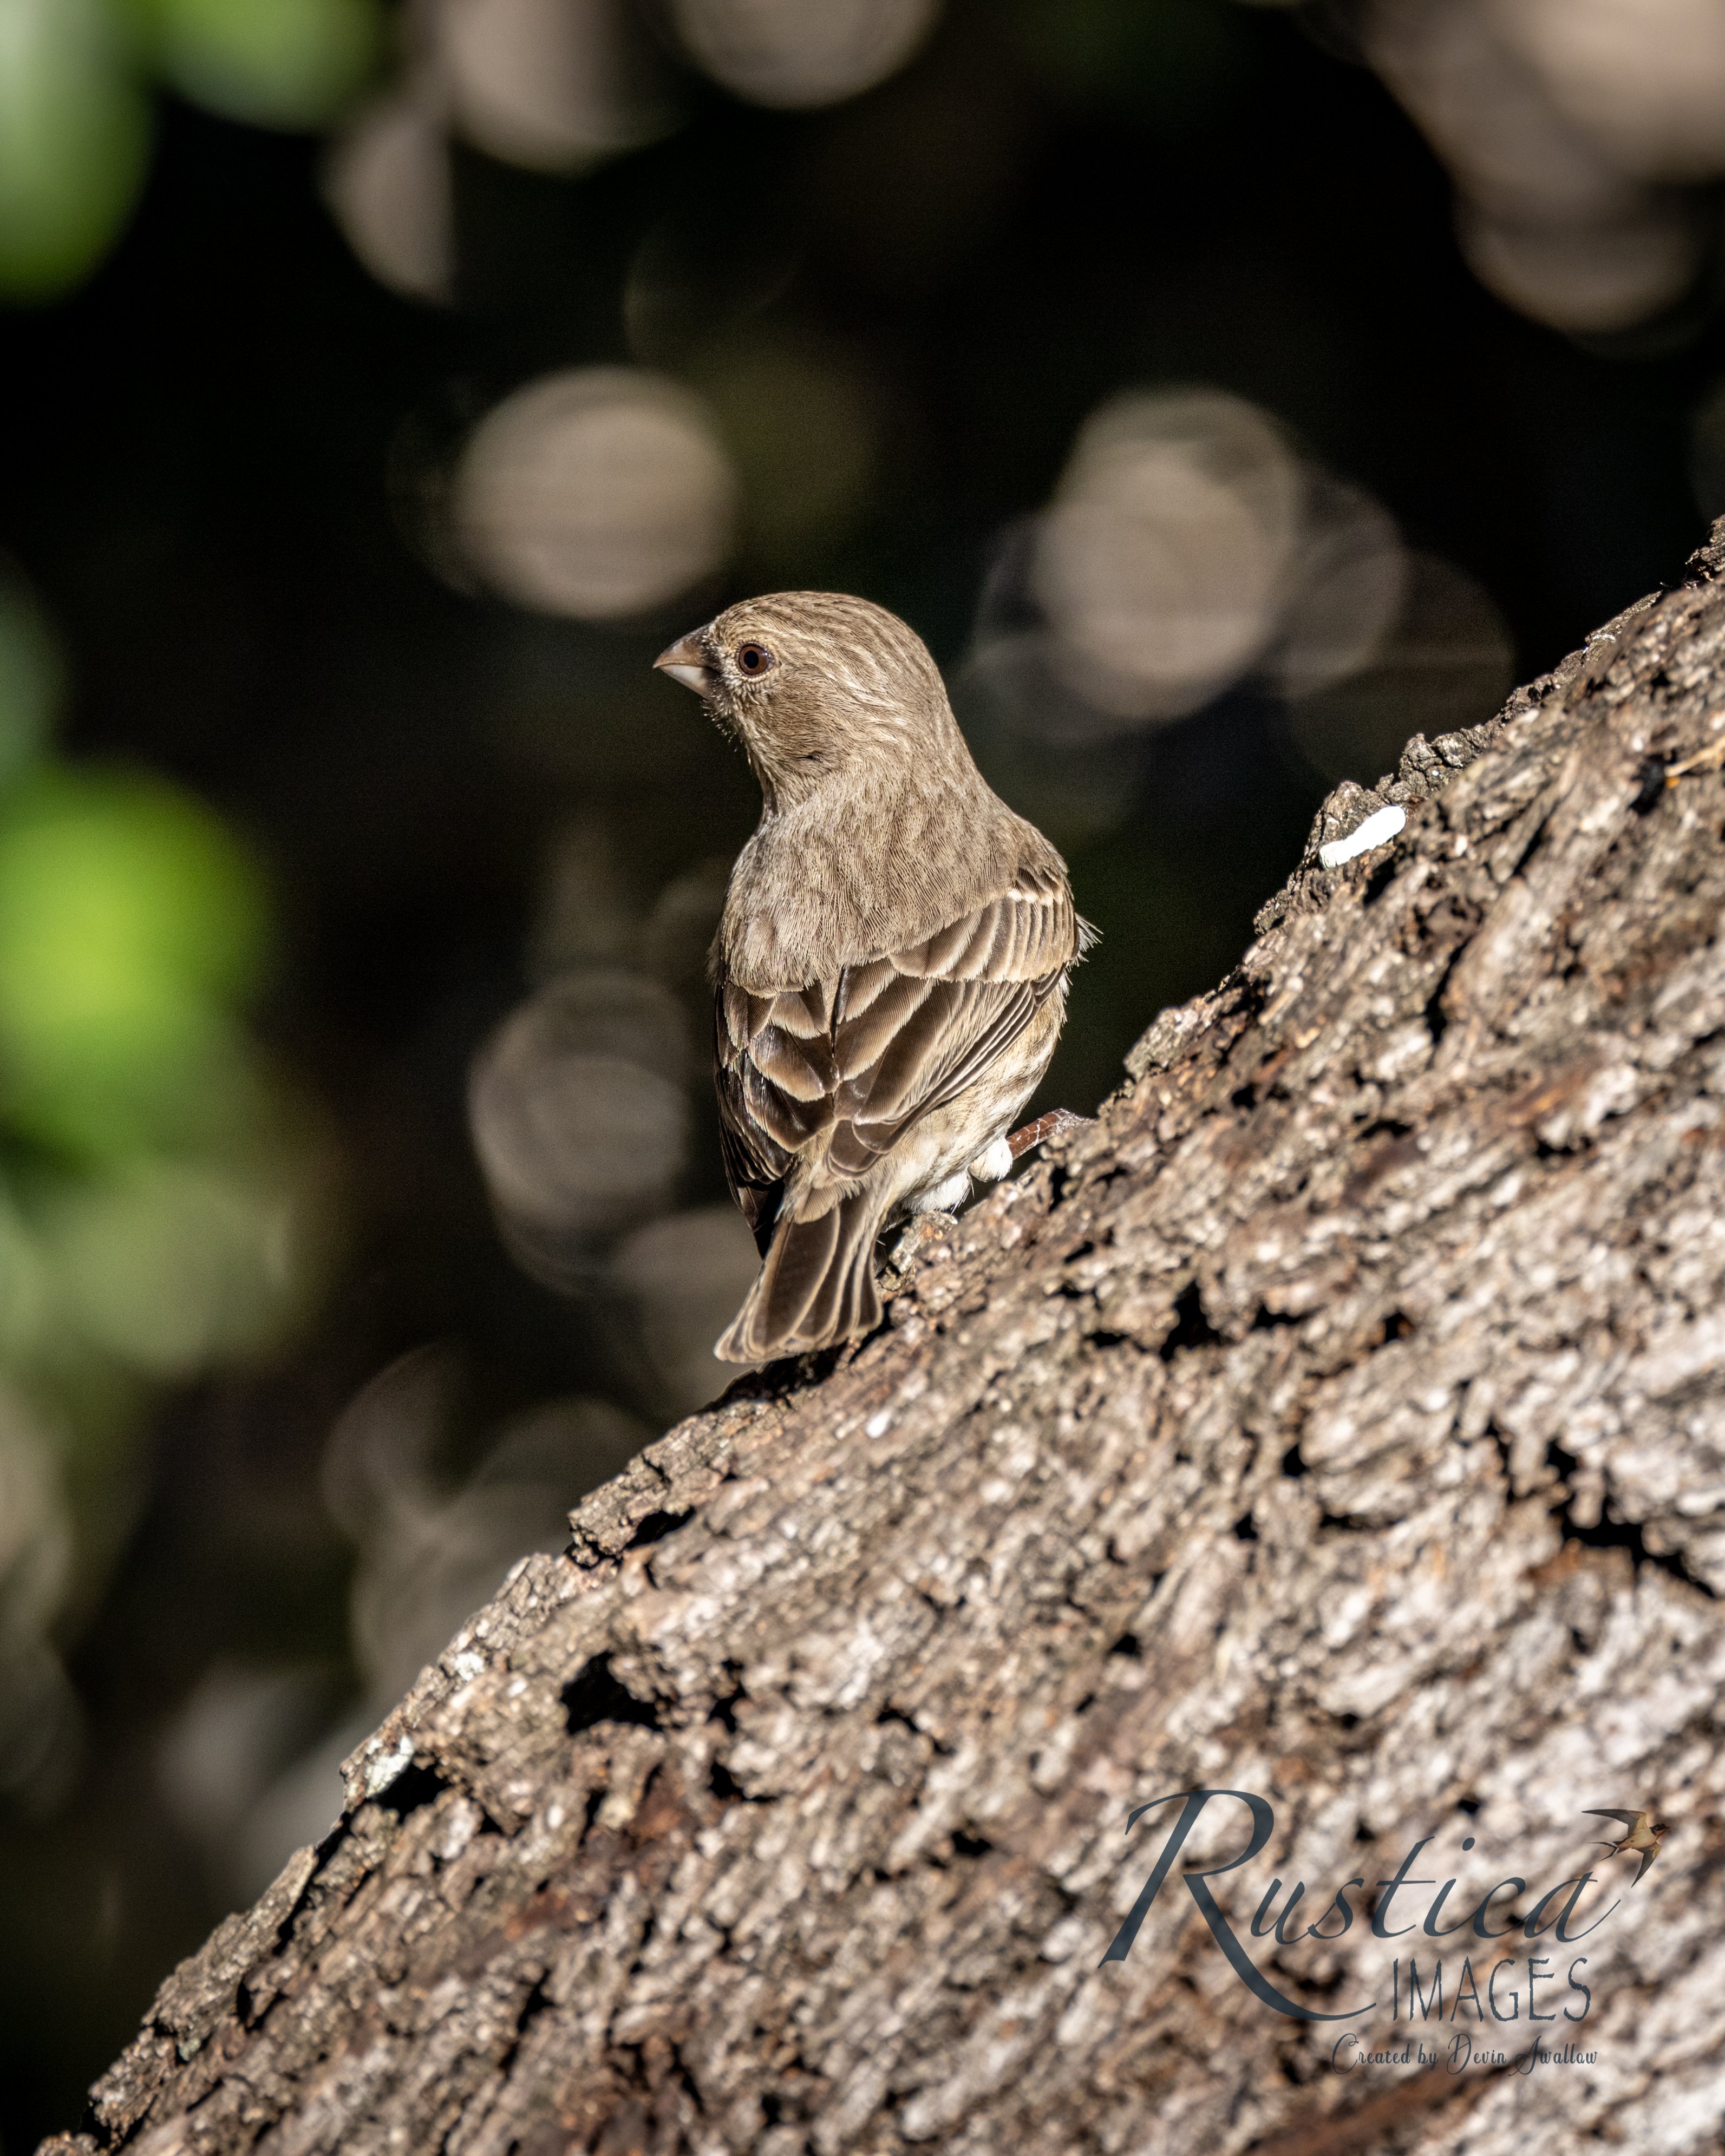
x,y
1629,1819
835,1072
1647,1857
771,1059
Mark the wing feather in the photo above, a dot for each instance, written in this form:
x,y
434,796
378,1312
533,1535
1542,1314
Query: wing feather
x,y
833,1073
801,1069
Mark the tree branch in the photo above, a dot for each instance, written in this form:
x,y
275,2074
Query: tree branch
x,y
1340,1419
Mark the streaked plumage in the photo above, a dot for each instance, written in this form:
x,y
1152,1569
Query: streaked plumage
x,y
890,974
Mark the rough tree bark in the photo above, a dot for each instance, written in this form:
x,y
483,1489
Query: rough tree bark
x,y
1340,1420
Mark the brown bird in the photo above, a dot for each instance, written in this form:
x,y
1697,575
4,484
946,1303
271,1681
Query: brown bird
x,y
1643,1835
890,973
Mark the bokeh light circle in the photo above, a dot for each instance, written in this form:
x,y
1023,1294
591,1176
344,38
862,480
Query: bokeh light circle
x,y
1162,561
579,1115
1644,79
789,53
554,86
600,493
1587,279
388,182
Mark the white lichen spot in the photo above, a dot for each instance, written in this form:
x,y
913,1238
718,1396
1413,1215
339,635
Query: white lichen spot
x,y
877,1425
1378,829
385,1766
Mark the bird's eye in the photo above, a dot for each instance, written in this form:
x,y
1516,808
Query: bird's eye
x,y
753,657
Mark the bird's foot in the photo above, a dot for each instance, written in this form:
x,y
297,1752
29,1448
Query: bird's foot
x,y
1055,1124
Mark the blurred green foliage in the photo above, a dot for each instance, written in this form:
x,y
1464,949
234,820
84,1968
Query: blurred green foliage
x,y
174,1266
74,135
154,1192
274,63
160,1201
74,107
129,922
32,682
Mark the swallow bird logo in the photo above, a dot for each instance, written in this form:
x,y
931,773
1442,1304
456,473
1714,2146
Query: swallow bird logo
x,y
1645,1836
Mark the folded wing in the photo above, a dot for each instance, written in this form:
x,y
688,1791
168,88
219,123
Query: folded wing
x,y
833,1073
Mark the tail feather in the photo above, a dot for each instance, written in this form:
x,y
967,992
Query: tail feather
x,y
816,1285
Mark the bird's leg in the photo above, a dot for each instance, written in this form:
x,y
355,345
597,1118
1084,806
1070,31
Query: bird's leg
x,y
1055,1124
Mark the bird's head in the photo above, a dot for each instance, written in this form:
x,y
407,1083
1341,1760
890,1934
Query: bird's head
x,y
812,682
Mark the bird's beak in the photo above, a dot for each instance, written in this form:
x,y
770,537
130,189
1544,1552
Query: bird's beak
x,y
684,661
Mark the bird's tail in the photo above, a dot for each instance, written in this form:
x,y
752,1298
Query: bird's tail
x,y
816,1285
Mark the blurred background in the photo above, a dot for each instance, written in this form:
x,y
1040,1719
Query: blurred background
x,y
1227,392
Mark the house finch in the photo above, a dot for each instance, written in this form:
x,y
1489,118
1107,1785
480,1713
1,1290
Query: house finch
x,y
890,973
